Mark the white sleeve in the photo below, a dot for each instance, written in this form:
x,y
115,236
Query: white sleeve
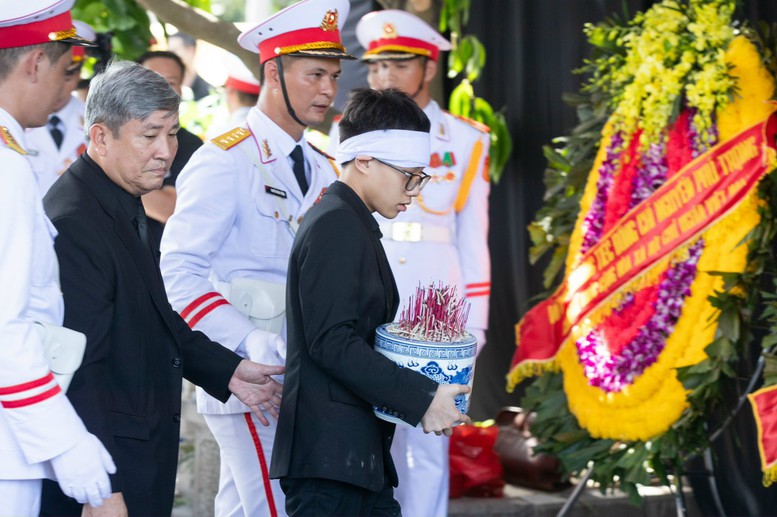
x,y
39,416
472,233
205,211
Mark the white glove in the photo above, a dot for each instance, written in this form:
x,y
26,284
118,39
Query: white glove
x,y
266,348
82,471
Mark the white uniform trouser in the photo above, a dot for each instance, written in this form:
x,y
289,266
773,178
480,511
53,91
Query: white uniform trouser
x,y
20,498
422,467
245,445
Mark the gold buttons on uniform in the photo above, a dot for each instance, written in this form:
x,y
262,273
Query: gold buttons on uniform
x,y
276,215
402,260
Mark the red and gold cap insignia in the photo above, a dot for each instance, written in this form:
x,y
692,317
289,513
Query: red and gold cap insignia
x,y
329,23
389,31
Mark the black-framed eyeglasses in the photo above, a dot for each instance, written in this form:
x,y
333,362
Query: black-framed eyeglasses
x,y
414,179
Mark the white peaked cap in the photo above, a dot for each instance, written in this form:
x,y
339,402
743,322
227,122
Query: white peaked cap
x,y
31,22
396,34
308,28
240,77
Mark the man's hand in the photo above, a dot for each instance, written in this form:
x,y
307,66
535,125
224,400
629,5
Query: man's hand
x,y
82,471
114,506
442,413
251,383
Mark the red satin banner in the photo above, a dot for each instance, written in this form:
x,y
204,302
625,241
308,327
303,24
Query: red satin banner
x,y
764,402
689,202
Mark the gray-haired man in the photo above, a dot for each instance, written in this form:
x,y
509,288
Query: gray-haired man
x,y
128,389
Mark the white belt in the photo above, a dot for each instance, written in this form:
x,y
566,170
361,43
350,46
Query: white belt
x,y
415,232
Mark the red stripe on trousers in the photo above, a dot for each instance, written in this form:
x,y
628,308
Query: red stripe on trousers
x,y
262,465
11,404
196,303
478,293
207,310
18,388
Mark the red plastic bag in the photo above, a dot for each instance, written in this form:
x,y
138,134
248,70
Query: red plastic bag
x,y
475,469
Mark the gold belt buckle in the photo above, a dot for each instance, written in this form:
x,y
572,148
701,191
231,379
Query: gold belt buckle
x,y
406,232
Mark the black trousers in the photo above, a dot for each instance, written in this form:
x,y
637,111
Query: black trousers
x,y
313,497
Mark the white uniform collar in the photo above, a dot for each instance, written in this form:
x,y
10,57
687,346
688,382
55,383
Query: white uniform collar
x,y
73,110
273,141
440,129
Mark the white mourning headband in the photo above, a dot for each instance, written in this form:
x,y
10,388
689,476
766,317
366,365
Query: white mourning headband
x,y
398,147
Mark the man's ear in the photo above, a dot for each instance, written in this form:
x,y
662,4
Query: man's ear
x,y
431,70
98,134
31,63
362,164
271,78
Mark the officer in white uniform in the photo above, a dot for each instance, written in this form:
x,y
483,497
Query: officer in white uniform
x,y
40,433
443,236
48,159
241,198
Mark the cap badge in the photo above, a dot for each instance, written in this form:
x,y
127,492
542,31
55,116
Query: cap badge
x,y
389,31
329,23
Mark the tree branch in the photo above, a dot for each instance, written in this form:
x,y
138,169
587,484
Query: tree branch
x,y
202,25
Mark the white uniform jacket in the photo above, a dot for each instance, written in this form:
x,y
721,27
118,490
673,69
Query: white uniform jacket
x,y
236,215
48,162
37,422
443,236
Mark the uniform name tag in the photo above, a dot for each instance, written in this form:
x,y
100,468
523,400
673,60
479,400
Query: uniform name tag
x,y
275,191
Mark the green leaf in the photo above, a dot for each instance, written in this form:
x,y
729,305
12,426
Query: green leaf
x,y
632,456
769,341
554,267
555,158
722,348
770,370
728,324
631,490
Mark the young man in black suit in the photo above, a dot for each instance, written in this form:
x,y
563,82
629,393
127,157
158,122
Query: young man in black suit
x,y
128,388
331,452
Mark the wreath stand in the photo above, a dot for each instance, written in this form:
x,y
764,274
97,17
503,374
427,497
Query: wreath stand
x,y
709,468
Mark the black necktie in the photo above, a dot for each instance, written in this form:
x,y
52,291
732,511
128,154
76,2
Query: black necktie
x,y
299,169
56,133
141,222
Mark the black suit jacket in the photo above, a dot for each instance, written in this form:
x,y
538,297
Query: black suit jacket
x,y
128,389
339,290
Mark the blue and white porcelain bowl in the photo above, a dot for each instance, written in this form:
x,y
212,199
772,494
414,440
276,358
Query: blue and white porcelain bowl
x,y
444,363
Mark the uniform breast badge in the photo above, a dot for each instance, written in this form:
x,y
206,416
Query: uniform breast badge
x,y
275,191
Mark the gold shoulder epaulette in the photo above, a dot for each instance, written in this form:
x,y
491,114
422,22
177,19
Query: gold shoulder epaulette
x,y
319,151
10,141
231,138
474,123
